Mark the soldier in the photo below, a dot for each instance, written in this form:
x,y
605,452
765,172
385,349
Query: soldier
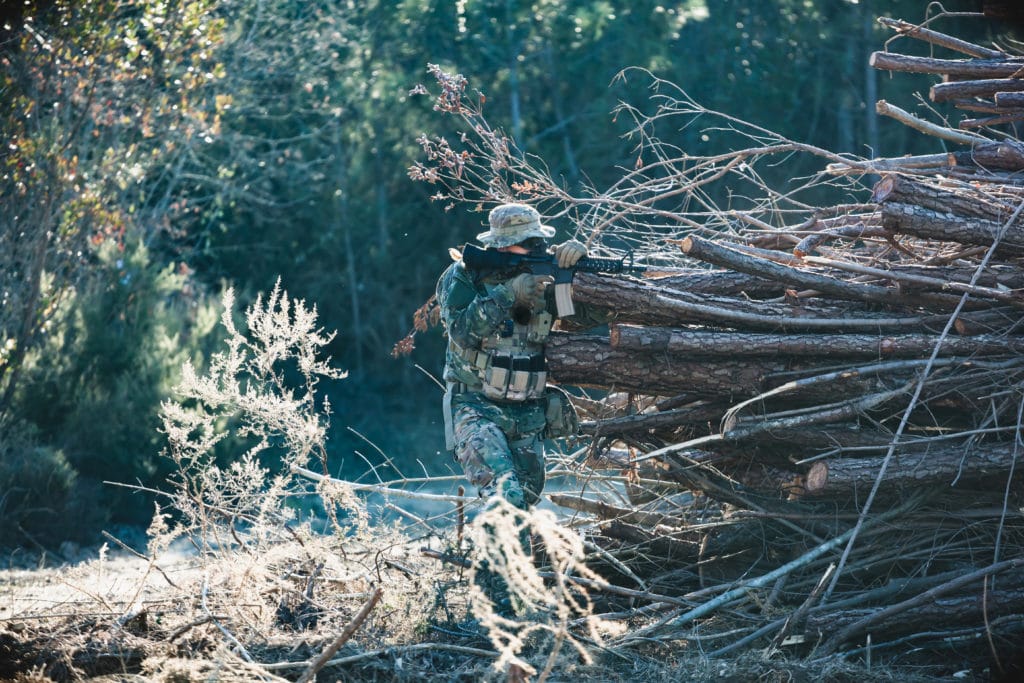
x,y
498,407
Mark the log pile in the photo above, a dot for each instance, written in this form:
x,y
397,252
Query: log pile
x,y
989,83
817,428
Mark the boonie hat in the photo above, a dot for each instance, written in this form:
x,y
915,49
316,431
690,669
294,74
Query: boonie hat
x,y
512,224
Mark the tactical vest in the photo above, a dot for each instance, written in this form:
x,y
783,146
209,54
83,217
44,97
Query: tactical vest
x,y
511,363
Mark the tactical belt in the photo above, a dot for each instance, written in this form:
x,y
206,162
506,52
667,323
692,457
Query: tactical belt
x,y
506,375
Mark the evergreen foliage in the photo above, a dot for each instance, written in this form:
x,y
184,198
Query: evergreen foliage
x,y
40,491
94,386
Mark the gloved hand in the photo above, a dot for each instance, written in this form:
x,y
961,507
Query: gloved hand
x,y
568,253
528,288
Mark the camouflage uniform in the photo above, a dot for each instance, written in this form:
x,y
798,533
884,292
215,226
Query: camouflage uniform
x,y
498,407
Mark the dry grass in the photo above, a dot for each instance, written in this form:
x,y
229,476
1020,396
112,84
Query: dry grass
x,y
238,615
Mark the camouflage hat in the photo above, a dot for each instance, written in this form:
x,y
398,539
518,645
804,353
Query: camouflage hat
x,y
512,224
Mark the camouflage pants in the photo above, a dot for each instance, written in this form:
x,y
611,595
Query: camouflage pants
x,y
500,446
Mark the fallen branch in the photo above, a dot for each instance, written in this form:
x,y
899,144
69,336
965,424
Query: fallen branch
x,y
383,490
320,662
883,108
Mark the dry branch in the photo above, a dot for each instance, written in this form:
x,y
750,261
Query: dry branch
x,y
321,661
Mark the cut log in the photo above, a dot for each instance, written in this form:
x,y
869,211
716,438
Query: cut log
x,y
857,231
997,275
634,301
1007,155
700,343
844,478
689,546
722,254
607,511
1010,99
935,38
643,422
991,120
883,108
833,437
721,283
943,612
590,361
961,199
910,219
906,280
962,69
944,92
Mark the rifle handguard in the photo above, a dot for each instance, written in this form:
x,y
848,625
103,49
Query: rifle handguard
x,y
543,263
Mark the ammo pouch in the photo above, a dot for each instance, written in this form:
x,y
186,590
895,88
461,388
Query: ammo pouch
x,y
510,376
559,414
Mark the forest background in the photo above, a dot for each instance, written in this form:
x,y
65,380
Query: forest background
x,y
156,152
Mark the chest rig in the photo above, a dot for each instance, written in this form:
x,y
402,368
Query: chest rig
x,y
510,362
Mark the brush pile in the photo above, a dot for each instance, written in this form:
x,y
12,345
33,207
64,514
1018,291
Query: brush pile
x,y
816,422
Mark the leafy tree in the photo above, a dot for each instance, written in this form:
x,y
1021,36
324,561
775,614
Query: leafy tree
x,y
102,102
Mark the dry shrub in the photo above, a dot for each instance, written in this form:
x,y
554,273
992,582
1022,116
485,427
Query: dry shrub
x,y
546,606
247,396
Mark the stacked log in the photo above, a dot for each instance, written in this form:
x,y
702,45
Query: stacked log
x,y
835,409
990,82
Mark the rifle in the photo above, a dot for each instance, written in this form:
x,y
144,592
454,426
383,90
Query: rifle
x,y
540,262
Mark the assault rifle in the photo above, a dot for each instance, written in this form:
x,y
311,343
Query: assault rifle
x,y
540,262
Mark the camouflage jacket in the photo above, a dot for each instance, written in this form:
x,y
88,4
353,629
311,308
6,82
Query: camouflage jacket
x,y
476,308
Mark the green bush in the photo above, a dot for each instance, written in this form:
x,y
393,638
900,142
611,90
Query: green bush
x,y
94,388
41,499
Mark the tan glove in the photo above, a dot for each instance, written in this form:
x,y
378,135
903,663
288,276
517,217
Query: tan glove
x,y
568,253
528,288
